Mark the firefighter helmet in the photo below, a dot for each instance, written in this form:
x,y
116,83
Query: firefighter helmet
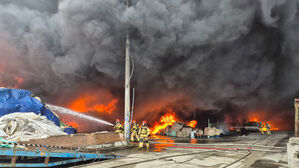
x,y
134,121
144,122
118,120
38,98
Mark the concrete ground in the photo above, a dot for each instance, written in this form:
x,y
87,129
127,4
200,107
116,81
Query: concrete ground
x,y
253,150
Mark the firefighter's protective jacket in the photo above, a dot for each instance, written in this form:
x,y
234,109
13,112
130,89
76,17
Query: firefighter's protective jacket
x,y
134,128
144,131
118,128
261,126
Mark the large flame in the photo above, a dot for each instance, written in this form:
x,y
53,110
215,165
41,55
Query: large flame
x,y
254,119
90,102
192,123
166,120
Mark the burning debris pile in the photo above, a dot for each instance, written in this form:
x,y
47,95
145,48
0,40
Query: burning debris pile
x,y
179,129
171,126
166,120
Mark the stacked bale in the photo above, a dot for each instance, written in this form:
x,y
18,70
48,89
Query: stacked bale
x,y
179,134
199,132
212,131
174,130
177,126
186,131
179,129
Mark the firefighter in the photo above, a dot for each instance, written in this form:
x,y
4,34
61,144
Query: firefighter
x,y
134,131
268,126
118,127
261,126
143,133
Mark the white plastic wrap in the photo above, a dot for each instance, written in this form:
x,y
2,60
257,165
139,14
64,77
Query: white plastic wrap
x,y
26,126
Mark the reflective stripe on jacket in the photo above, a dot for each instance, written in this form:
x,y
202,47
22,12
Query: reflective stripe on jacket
x,y
144,131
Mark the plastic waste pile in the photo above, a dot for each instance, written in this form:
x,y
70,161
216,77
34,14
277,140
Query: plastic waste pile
x,y
179,129
26,126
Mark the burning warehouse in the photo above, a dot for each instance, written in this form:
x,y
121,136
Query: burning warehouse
x,y
195,65
204,67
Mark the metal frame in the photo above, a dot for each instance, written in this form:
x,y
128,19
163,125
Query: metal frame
x,y
71,157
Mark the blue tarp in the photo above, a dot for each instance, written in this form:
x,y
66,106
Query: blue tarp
x,y
70,130
18,100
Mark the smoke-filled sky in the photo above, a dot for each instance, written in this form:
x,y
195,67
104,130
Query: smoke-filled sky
x,y
226,57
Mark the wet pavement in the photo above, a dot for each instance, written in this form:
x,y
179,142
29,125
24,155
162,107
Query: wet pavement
x,y
253,150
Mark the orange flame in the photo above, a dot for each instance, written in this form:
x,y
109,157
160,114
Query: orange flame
x,y
255,119
19,81
192,123
89,102
73,124
166,120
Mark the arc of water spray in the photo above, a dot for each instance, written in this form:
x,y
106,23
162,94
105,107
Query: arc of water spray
x,y
74,113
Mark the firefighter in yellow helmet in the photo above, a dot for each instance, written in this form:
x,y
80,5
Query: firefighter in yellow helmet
x,y
143,133
134,131
268,126
118,127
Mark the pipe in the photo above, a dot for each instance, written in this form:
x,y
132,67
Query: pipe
x,y
133,103
296,104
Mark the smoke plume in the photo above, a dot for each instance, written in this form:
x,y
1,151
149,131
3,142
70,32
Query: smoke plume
x,y
222,57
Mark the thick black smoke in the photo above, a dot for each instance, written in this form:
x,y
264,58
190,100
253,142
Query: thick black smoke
x,y
228,56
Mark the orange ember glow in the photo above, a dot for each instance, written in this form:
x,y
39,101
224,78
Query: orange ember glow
x,y
19,81
89,102
73,124
166,120
193,141
163,142
253,120
192,123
